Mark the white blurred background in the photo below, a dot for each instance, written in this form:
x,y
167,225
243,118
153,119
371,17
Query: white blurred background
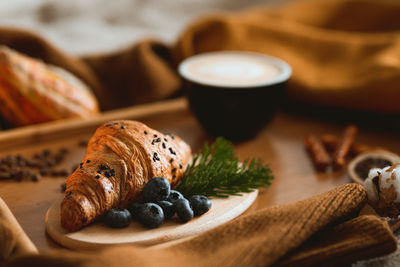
x,y
94,26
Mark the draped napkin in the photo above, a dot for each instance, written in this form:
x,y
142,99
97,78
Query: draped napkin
x,y
323,229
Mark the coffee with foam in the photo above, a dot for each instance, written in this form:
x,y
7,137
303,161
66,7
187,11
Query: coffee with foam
x,y
233,69
234,94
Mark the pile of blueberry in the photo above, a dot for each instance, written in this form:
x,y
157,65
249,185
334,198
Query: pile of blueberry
x,y
159,203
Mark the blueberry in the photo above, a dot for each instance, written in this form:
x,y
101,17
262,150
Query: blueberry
x,y
183,209
135,209
151,215
118,218
156,189
168,208
174,196
200,204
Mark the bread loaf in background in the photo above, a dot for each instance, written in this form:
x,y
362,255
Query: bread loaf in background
x,y
32,91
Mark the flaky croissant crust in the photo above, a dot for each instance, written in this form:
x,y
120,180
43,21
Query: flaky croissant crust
x,y
32,91
120,159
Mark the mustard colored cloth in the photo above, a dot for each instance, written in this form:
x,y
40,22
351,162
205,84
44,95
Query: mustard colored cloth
x,y
344,54
319,231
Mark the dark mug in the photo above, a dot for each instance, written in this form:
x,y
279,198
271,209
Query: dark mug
x,y
234,94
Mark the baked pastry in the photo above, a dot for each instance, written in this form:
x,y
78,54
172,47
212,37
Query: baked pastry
x,y
383,190
120,159
34,92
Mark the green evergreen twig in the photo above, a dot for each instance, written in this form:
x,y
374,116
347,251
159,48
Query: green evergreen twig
x,y
216,171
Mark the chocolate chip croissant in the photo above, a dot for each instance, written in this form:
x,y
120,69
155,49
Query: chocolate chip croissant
x,y
120,159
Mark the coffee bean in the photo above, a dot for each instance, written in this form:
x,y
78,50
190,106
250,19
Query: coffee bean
x,y
21,168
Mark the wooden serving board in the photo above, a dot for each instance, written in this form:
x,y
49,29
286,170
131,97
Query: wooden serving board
x,y
99,235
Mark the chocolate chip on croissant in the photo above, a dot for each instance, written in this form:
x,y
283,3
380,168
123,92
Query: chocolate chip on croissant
x,y
120,159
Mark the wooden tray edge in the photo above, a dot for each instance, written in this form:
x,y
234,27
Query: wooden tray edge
x,y
58,129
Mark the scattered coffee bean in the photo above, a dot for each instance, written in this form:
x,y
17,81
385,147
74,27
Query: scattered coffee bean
x,y
20,168
35,177
44,172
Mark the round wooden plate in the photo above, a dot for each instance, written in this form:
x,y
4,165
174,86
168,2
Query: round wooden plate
x,y
99,235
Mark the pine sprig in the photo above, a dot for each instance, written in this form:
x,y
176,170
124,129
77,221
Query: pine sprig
x,y
216,171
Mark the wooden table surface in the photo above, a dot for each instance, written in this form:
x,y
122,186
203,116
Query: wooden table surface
x,y
280,145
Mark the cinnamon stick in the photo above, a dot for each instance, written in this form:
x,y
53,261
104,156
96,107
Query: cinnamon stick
x,y
13,239
331,142
318,153
343,147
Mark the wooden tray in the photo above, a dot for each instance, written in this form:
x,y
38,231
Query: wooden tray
x,y
280,144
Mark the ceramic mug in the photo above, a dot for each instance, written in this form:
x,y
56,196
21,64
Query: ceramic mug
x,y
234,93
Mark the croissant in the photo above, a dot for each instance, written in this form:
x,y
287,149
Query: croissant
x,y
32,91
121,157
